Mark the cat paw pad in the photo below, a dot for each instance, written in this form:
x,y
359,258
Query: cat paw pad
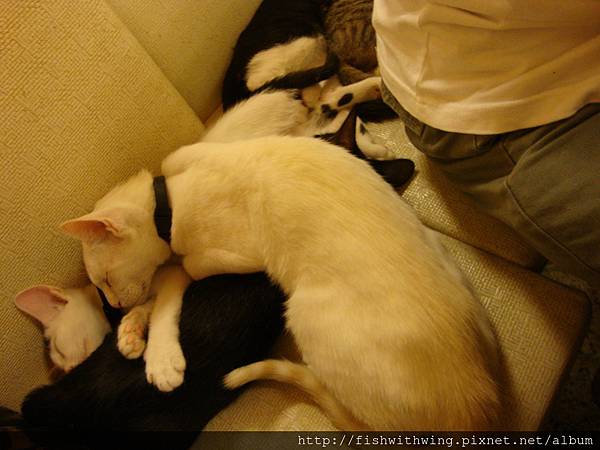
x,y
165,366
131,341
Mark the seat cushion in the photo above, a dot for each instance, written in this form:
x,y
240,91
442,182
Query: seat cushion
x,y
82,106
190,40
539,325
441,206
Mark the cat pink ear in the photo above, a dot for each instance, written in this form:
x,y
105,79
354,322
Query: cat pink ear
x,y
43,303
92,227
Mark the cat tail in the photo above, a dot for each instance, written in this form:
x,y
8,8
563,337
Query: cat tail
x,y
300,376
304,78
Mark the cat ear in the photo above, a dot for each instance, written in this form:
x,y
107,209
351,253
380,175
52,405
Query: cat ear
x,y
42,302
95,226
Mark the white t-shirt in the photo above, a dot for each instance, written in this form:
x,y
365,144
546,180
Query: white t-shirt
x,y
489,66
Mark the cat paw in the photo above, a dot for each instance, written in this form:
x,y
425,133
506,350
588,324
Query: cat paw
x,y
130,335
165,366
348,96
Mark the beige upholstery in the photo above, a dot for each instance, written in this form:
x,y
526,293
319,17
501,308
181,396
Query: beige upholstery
x,y
190,40
82,106
90,91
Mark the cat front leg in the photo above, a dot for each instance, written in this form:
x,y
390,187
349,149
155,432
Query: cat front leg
x,y
348,96
131,334
165,362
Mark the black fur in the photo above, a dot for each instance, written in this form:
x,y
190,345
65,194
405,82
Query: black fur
x,y
227,321
346,98
375,111
275,22
305,78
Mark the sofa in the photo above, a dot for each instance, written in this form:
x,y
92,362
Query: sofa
x,y
93,90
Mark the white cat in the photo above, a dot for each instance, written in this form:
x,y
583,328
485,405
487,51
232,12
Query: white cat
x,y
73,320
385,322
75,324
71,317
285,113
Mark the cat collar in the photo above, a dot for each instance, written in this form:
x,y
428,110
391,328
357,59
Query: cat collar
x,y
162,212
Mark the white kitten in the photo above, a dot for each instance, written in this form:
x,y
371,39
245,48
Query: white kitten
x,y
73,319
384,321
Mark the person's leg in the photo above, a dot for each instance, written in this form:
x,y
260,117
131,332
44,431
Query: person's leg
x,y
543,181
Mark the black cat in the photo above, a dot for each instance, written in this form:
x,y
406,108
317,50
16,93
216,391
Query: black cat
x,y
276,22
227,321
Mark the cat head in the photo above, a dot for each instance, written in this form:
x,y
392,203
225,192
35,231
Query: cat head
x,y
121,247
73,320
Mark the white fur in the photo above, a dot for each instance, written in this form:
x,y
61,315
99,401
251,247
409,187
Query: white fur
x,y
389,341
265,114
273,113
73,321
293,56
379,318
361,91
165,363
368,145
121,219
393,334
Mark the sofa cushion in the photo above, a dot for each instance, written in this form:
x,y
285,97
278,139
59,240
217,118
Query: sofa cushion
x,y
539,325
441,206
82,107
190,40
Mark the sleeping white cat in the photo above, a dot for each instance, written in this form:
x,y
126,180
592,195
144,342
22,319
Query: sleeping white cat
x,y
73,320
75,325
385,322
71,317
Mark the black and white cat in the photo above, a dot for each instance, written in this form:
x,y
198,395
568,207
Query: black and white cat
x,y
226,321
291,44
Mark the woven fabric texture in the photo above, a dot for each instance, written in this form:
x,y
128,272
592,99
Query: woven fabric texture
x,y
82,107
84,103
190,40
538,322
441,206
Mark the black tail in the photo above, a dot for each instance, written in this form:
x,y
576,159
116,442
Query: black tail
x,y
304,78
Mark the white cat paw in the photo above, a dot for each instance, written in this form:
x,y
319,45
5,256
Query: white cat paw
x,y
131,341
348,96
165,365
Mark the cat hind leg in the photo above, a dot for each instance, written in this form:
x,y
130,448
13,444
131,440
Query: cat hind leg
x,y
368,145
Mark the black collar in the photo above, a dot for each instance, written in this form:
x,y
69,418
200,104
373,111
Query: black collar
x,y
163,216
